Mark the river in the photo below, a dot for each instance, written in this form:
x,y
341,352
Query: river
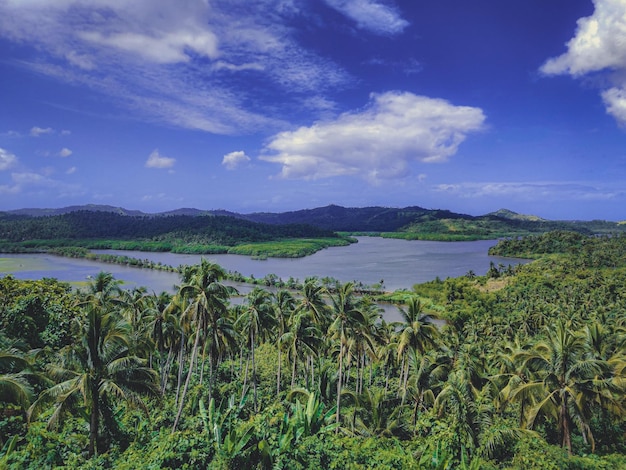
x,y
398,263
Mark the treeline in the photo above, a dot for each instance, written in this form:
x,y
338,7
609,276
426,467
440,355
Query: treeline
x,y
584,251
205,230
522,368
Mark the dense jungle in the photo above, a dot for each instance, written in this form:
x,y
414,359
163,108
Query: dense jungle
x,y
522,368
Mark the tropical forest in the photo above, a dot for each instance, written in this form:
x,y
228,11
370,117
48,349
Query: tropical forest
x,y
521,368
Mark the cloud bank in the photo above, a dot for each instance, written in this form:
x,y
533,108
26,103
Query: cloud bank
x,y
378,142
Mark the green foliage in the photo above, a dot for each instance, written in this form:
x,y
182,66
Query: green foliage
x,y
36,312
292,248
518,360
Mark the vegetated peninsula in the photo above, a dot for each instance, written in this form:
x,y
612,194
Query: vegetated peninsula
x,y
287,234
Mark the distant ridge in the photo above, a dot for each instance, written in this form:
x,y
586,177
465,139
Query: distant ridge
x,y
413,221
68,209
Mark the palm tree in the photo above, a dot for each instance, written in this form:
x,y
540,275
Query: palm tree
x,y
255,322
417,334
312,302
565,382
284,304
303,338
348,314
207,312
95,370
14,385
375,414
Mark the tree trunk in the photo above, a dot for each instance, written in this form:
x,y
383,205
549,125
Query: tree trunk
x,y
194,353
245,380
565,429
253,371
293,370
339,377
94,422
181,355
278,373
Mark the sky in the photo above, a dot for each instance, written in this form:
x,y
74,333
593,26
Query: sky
x,y
281,105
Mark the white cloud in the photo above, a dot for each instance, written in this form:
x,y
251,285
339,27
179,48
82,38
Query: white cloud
x,y
126,49
371,15
156,160
234,160
162,48
65,152
37,131
533,191
71,170
28,178
66,132
29,181
6,189
598,43
7,159
378,142
598,46
11,133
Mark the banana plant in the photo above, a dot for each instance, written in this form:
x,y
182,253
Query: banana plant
x,y
310,419
228,439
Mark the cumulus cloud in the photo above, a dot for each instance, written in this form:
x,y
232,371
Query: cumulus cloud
x,y
65,152
378,142
371,15
598,43
597,46
71,170
156,160
7,159
37,131
234,160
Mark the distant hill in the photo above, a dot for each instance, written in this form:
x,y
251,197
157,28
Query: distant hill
x,y
508,214
69,209
408,222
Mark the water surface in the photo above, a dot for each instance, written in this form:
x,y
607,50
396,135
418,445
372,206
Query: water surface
x,y
399,263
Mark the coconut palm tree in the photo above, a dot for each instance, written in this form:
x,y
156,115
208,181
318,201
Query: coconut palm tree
x,y
312,302
95,371
14,385
416,334
348,314
207,314
303,338
284,304
566,381
255,322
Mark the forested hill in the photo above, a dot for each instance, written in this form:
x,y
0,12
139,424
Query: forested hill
x,y
407,222
85,224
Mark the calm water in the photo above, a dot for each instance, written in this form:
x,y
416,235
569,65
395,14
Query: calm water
x,y
399,263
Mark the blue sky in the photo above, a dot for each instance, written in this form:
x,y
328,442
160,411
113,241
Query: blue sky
x,y
276,105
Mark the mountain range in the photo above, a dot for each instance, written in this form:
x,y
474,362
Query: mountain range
x,y
412,219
